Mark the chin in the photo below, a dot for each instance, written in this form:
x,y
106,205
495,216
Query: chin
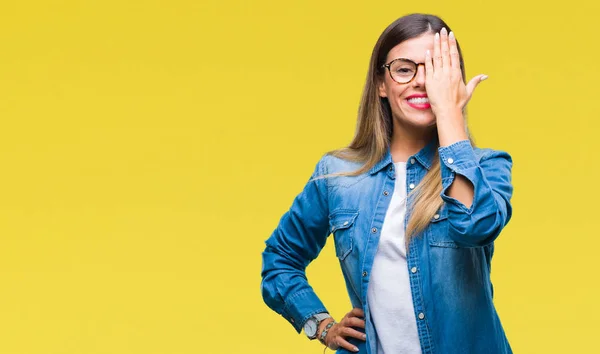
x,y
422,120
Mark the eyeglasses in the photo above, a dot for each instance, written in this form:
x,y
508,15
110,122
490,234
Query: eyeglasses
x,y
402,70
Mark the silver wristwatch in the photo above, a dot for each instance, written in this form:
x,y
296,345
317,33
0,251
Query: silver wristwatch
x,y
312,324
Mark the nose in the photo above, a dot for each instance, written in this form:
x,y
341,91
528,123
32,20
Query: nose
x,y
419,80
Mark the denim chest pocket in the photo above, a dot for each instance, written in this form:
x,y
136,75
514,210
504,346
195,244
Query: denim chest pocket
x,y
341,224
438,230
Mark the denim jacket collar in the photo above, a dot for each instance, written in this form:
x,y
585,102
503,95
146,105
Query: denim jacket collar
x,y
424,156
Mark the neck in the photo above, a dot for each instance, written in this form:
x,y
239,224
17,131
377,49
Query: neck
x,y
406,143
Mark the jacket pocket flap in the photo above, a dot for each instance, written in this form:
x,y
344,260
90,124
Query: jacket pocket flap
x,y
342,219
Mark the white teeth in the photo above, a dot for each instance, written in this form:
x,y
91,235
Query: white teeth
x,y
420,100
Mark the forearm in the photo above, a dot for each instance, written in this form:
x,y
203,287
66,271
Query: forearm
x,y
480,221
286,290
451,129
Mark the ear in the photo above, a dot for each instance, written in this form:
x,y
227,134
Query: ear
x,y
381,88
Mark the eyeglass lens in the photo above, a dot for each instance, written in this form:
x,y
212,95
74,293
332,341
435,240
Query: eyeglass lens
x,y
403,70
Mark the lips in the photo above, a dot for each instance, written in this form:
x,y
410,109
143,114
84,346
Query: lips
x,y
417,95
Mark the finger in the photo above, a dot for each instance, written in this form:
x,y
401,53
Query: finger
x,y
474,82
358,312
341,342
354,322
454,56
428,66
437,55
445,51
351,332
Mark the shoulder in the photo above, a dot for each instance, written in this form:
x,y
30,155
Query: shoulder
x,y
334,164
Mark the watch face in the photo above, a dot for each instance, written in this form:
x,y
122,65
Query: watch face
x,y
310,327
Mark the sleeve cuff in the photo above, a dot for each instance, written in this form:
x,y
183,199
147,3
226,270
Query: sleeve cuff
x,y
300,307
457,158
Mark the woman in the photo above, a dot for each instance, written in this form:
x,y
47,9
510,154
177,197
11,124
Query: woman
x,y
414,208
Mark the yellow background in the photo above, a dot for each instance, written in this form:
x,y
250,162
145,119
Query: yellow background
x,y
148,148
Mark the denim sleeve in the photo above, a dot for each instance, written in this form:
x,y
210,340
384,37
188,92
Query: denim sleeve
x,y
297,240
491,210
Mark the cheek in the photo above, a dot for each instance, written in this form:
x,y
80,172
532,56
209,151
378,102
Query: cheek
x,y
395,88
397,92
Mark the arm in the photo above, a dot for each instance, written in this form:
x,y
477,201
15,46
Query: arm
x,y
481,222
484,185
297,240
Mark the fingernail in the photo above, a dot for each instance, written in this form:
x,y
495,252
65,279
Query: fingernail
x,y
355,349
484,77
444,31
437,36
451,35
428,52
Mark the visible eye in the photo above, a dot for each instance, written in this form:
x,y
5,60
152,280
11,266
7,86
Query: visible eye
x,y
404,71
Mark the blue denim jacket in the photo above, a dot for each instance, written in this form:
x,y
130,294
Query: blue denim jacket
x,y
448,263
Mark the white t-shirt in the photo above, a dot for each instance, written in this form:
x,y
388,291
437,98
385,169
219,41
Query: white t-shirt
x,y
389,296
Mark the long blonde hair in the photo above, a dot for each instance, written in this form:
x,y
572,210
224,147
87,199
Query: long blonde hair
x,y
374,125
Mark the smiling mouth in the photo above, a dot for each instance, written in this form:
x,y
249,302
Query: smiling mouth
x,y
418,100
421,103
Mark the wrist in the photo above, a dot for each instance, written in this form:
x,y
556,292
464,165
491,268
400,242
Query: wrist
x,y
312,325
451,128
325,332
452,113
323,324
